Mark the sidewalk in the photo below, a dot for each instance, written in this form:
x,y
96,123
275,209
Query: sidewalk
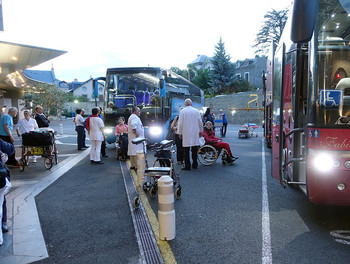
x,y
24,242
76,212
85,217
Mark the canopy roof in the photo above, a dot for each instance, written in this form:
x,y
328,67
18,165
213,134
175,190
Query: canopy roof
x,y
14,58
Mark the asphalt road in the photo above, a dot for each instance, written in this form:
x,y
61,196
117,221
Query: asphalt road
x,y
219,218
85,217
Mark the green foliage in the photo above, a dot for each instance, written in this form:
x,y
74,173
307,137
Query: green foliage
x,y
223,70
192,71
49,96
72,98
183,73
202,80
271,30
235,87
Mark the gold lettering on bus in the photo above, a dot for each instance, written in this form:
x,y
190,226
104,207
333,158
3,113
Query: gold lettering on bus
x,y
334,143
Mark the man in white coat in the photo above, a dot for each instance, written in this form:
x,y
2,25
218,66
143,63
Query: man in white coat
x,y
135,130
190,129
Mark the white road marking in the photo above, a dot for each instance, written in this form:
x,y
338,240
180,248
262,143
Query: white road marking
x,y
341,236
266,234
59,155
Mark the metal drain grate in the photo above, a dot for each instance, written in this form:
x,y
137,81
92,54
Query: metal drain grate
x,y
147,243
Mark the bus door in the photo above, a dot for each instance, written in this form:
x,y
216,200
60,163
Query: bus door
x,y
277,117
268,95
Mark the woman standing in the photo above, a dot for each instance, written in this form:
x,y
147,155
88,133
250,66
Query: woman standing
x,y
94,125
121,127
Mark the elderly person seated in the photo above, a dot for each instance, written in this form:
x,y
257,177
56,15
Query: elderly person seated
x,y
210,138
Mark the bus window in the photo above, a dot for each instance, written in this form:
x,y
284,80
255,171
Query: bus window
x,y
333,65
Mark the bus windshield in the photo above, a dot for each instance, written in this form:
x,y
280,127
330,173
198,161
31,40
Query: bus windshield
x,y
127,88
333,63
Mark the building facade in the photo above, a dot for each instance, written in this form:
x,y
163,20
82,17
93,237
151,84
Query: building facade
x,y
202,62
86,89
251,70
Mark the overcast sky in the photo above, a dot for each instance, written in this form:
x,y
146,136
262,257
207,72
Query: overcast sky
x,y
114,33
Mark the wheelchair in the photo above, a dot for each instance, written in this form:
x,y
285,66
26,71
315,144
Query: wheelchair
x,y
208,155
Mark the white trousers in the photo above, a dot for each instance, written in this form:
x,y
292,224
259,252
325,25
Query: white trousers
x,y
95,151
133,161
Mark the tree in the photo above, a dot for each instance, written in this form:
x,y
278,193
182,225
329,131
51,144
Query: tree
x,y
71,98
183,73
49,96
202,80
271,30
223,70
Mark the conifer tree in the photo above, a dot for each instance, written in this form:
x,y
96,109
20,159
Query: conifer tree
x,y
223,71
271,30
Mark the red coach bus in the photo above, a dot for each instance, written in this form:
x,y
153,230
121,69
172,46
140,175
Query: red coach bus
x,y
307,101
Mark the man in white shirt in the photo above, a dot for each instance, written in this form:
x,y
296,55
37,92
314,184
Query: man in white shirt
x,y
190,129
95,128
135,130
26,124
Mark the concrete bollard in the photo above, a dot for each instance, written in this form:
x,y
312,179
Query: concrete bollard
x,y
61,129
140,156
166,211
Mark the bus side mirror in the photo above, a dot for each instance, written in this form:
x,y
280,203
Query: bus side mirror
x,y
303,20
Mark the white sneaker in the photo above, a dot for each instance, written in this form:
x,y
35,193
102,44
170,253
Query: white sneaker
x,y
34,160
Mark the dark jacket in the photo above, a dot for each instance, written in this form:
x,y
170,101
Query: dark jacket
x,y
9,149
208,117
42,120
6,147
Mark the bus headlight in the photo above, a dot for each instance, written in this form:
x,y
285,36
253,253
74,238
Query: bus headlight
x,y
155,130
108,130
323,162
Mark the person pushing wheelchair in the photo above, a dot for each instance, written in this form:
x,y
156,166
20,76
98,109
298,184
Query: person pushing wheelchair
x,y
211,139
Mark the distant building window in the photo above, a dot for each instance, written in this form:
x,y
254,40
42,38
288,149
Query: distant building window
x,y
84,88
100,89
246,76
238,75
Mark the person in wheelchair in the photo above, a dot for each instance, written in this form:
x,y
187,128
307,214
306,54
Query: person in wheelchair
x,y
211,139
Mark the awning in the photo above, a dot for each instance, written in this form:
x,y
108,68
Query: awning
x,y
14,58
